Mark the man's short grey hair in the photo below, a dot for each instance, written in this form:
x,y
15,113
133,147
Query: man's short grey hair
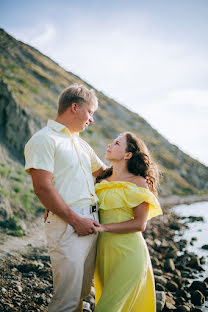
x,y
76,94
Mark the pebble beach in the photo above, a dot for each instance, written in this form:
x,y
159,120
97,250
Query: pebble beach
x,y
181,276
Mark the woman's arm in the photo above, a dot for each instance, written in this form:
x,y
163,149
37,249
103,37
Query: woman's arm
x,y
138,224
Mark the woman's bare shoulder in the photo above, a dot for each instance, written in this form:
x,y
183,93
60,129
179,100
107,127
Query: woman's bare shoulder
x,y
141,182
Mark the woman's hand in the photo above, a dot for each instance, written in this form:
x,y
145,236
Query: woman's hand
x,y
46,215
100,228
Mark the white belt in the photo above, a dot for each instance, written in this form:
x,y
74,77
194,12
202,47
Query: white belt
x,y
86,210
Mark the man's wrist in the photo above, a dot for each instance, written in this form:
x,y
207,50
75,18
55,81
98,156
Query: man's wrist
x,y
74,220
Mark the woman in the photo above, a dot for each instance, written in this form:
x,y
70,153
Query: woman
x,y
124,279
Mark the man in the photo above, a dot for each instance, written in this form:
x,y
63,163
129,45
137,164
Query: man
x,y
61,165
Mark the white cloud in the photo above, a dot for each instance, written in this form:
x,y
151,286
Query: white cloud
x,y
44,36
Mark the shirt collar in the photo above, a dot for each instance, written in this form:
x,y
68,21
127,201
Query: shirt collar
x,y
58,127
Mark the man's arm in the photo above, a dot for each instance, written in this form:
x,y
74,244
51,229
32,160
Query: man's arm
x,y
52,201
98,172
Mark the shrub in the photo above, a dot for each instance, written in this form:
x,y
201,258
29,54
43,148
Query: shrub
x,y
17,188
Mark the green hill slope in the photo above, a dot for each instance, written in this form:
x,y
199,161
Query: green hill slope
x,y
30,83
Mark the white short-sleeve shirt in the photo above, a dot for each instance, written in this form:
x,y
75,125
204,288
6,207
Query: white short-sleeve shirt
x,y
53,150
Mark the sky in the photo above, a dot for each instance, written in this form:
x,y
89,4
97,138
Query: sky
x,y
151,56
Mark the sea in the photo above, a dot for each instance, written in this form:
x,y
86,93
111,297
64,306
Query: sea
x,y
197,229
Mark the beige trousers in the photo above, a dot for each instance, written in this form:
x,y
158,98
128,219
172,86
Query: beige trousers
x,y
73,261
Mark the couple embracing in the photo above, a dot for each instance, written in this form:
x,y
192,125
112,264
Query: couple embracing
x,y
62,167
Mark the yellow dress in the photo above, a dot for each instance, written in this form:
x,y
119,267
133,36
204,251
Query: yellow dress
x,y
124,280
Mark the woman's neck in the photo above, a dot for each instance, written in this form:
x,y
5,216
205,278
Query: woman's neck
x,y
120,171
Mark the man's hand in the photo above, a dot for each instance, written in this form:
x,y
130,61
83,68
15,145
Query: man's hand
x,y
85,226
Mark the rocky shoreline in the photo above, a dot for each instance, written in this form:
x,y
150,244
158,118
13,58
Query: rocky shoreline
x,y
26,279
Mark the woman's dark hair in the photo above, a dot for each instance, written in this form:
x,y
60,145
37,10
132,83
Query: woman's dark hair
x,y
140,164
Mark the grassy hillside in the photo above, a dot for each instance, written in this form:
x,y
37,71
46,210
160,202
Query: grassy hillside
x,y
30,83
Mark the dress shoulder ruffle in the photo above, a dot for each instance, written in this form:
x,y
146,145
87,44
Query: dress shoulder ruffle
x,y
118,194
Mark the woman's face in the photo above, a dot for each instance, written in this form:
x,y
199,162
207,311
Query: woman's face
x,y
117,149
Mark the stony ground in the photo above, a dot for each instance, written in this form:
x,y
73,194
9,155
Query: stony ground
x,y
181,283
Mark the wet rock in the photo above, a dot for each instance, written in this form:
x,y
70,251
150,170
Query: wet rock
x,y
198,285
195,219
194,262
202,260
175,226
172,286
197,297
172,254
181,293
182,244
183,308
160,280
178,281
206,280
169,265
155,262
157,272
205,247
159,287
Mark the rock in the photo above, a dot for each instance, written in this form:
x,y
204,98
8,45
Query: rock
x,y
161,299
198,285
178,272
161,280
205,247
169,265
3,290
39,299
175,226
194,262
195,219
169,298
170,306
19,288
202,260
86,307
178,281
181,293
206,280
172,254
159,287
27,267
157,272
92,292
172,286
155,262
183,308
183,243
197,298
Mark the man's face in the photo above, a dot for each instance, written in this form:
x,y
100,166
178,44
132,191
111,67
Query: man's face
x,y
84,115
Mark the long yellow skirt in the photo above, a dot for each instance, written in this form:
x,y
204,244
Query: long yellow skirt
x,y
124,280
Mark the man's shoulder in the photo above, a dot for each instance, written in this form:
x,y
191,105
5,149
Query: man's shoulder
x,y
42,134
84,144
